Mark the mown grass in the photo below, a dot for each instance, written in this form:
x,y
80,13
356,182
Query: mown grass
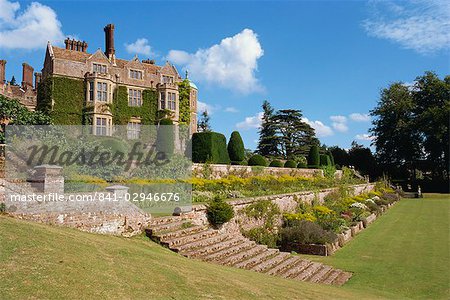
x,y
404,254
44,262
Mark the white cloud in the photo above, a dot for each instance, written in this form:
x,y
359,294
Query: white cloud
x,y
321,129
29,29
231,109
339,123
251,122
357,117
140,46
364,137
341,127
423,26
231,64
338,119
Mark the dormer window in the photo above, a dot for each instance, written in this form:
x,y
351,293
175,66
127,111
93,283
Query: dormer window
x,y
167,79
135,74
98,68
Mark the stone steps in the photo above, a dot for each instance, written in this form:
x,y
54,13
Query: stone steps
x,y
203,251
247,253
296,269
229,251
232,249
275,260
252,261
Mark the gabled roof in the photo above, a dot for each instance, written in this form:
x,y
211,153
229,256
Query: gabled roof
x,y
70,54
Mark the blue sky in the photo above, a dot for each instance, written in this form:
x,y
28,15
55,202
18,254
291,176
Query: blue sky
x,y
329,59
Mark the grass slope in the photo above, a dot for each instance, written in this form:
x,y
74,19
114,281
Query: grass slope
x,y
39,261
404,254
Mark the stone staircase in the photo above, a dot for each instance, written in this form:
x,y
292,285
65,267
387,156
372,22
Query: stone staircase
x,y
232,249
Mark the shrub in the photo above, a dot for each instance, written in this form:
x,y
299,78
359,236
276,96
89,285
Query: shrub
x,y
219,211
276,163
2,208
302,165
313,157
257,160
209,147
262,236
290,164
331,158
235,148
290,220
306,232
325,160
114,144
165,138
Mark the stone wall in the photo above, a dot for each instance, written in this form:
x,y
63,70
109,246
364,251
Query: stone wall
x,y
100,212
215,171
287,203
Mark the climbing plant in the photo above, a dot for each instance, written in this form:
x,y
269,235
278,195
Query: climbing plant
x,y
62,99
184,91
122,112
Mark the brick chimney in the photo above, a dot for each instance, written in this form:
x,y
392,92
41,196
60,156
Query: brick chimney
x,y
2,71
27,76
37,79
109,40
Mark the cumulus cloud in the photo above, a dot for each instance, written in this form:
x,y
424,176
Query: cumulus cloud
x,y
321,129
423,26
140,46
231,64
251,122
210,108
364,137
231,109
30,28
357,117
339,123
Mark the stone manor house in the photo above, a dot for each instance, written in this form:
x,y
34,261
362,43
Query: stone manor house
x,y
101,74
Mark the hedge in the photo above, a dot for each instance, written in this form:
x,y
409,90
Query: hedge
x,y
235,148
313,157
325,160
257,160
290,164
276,163
209,147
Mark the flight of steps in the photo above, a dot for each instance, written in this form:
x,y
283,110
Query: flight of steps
x,y
211,245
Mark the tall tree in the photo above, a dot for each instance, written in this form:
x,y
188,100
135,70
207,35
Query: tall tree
x,y
363,160
267,145
294,136
340,156
397,139
203,123
13,81
432,111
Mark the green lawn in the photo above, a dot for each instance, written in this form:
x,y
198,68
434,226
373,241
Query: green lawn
x,y
404,254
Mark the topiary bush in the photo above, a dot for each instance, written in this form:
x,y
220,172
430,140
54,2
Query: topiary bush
x,y
276,163
290,164
235,148
219,212
165,138
302,165
209,147
325,160
313,157
257,160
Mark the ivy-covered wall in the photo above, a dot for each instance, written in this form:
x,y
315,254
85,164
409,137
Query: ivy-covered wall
x,y
184,91
122,112
68,97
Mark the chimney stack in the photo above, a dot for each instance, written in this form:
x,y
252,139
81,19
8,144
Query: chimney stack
x,y
27,76
37,79
2,71
109,40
